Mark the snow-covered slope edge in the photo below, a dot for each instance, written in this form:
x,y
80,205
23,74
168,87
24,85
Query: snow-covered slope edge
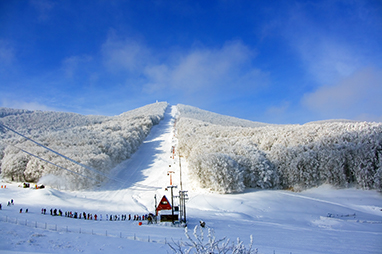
x,y
96,141
214,118
228,159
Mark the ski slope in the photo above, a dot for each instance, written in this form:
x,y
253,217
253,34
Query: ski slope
x,y
279,221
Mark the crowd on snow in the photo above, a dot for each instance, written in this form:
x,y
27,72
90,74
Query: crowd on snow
x,y
89,216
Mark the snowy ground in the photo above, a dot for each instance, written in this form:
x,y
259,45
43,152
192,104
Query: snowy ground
x,y
280,221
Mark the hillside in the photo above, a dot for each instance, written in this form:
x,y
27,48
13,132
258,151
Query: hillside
x,y
318,220
98,142
226,157
225,154
214,118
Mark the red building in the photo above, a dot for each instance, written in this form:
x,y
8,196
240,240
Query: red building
x,y
164,210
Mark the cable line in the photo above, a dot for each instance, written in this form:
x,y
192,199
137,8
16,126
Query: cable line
x,y
65,157
31,154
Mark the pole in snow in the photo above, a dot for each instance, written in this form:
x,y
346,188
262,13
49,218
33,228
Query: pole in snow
x,y
169,173
172,202
180,172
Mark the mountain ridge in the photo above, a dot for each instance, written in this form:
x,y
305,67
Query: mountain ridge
x,y
225,154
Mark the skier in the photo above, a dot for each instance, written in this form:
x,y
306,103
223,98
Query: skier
x,y
21,210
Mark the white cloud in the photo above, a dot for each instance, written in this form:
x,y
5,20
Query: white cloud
x,y
277,111
356,97
71,65
327,60
122,55
25,105
7,55
215,71
201,71
44,7
333,38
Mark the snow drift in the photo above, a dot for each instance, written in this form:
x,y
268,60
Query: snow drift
x,y
98,142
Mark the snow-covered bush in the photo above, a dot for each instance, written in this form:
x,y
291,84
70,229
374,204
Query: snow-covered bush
x,y
98,142
282,156
211,245
212,168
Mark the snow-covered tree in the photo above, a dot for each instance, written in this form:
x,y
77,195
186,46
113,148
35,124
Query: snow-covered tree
x,y
98,142
279,156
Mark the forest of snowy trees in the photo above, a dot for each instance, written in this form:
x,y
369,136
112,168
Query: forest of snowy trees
x,y
98,142
225,154
227,159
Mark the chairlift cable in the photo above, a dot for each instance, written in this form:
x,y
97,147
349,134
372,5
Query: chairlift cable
x,y
65,157
31,154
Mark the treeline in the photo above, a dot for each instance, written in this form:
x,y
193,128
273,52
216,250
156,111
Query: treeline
x,y
96,141
229,159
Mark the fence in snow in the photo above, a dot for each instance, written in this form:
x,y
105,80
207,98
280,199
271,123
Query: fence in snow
x,y
79,230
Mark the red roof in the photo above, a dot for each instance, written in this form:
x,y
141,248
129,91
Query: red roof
x,y
164,204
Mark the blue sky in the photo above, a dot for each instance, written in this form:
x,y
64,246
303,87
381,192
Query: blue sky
x,y
278,62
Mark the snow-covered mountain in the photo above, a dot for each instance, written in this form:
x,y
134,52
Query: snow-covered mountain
x,y
317,220
214,118
98,142
225,154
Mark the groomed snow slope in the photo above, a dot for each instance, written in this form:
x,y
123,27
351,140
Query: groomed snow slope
x,y
280,221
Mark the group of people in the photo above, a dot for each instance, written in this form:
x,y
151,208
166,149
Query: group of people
x,y
89,216
9,202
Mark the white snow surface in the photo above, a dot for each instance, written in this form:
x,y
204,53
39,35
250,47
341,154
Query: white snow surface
x,y
280,221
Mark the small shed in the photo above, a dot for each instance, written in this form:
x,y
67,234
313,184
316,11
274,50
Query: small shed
x,y
164,210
